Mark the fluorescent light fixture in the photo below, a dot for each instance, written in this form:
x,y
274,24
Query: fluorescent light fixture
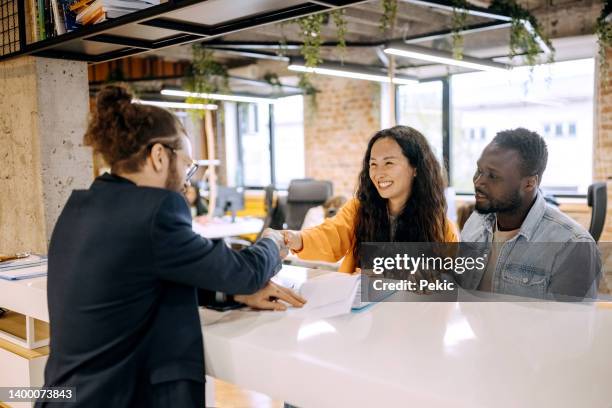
x,y
427,54
349,71
217,97
177,105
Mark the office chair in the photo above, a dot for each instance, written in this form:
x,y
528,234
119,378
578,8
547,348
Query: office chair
x,y
268,208
597,199
302,195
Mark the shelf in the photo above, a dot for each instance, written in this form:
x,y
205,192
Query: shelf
x,y
167,24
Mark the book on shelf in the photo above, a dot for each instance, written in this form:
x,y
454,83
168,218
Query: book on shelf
x,y
57,17
100,9
40,21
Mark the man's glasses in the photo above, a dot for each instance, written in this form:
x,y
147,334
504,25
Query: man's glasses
x,y
193,166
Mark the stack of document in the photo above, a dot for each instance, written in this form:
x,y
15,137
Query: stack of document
x,y
24,268
328,293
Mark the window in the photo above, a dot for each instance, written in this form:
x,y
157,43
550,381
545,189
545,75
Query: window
x,y
254,143
558,95
288,140
420,107
266,144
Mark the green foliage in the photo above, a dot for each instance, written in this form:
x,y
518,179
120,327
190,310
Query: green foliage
x,y
458,22
205,75
309,89
282,45
272,78
310,30
387,20
522,41
341,29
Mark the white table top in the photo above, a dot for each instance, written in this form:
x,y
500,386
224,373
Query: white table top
x,y
399,354
420,354
223,227
26,296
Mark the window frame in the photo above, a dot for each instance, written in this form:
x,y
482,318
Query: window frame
x,y
239,136
447,132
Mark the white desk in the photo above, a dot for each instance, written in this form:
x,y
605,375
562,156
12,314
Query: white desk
x,y
223,227
27,297
420,355
402,354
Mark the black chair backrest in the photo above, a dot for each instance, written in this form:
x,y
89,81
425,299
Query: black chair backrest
x,y
268,198
302,195
597,199
268,207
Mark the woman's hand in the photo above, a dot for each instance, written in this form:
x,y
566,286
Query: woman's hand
x,y
293,240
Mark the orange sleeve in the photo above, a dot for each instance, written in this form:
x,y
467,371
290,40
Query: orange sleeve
x,y
452,233
333,239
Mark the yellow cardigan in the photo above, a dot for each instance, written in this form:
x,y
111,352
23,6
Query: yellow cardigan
x,y
335,238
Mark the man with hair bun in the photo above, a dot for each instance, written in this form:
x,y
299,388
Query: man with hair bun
x,y
535,250
124,265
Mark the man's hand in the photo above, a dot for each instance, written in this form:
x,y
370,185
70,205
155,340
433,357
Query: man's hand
x,y
293,239
278,239
267,298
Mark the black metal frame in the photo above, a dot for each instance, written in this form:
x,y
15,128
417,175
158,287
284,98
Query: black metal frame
x,y
241,151
12,25
447,126
154,16
186,32
447,122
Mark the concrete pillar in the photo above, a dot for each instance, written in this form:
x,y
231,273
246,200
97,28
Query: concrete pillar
x,y
44,105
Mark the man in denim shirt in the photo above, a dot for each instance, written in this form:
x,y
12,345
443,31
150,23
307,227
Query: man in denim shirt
x,y
533,250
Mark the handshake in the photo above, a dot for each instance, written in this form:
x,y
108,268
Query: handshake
x,y
285,240
268,298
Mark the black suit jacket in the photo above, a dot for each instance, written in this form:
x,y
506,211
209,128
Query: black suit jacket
x,y
123,267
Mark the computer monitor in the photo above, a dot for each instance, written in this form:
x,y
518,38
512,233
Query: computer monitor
x,y
229,199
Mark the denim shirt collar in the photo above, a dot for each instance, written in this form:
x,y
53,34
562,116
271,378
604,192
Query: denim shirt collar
x,y
530,223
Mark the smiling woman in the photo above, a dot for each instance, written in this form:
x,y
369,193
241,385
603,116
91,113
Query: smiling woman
x,y
400,198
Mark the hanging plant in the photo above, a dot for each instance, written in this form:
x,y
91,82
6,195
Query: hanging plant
x,y
310,30
459,20
308,89
273,79
205,75
387,20
341,28
603,30
522,41
282,44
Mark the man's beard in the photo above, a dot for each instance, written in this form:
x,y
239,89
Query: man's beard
x,y
509,204
174,181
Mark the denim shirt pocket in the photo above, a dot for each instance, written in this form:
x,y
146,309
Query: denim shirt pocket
x,y
523,280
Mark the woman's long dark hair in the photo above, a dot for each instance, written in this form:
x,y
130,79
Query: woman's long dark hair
x,y
423,218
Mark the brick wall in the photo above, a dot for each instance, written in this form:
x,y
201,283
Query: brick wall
x,y
337,130
603,141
